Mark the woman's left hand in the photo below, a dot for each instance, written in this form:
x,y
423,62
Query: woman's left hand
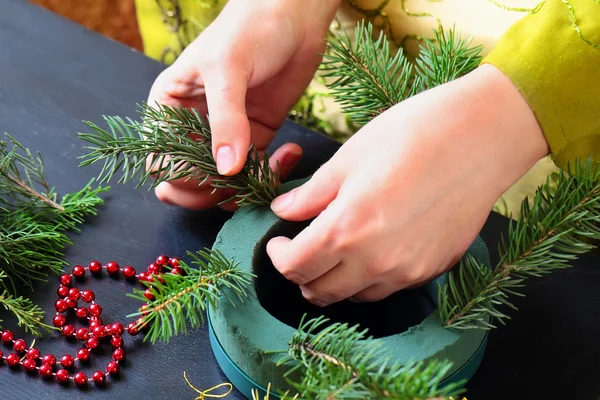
x,y
404,198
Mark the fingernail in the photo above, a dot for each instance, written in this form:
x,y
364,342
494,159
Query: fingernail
x,y
308,296
291,160
354,300
161,192
225,159
282,202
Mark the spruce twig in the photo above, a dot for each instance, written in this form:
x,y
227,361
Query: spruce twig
x,y
561,223
182,299
178,144
341,362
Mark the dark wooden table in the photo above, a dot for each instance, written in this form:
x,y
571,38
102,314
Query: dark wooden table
x,y
54,74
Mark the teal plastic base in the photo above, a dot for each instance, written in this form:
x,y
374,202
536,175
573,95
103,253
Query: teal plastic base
x,y
244,384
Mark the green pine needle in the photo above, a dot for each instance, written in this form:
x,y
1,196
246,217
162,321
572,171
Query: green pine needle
x,y
562,222
338,361
182,299
178,144
367,77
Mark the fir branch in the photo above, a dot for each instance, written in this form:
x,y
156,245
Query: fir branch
x,y
177,142
367,77
341,362
562,222
182,299
444,59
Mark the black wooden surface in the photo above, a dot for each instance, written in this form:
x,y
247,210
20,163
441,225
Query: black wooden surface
x,y
54,74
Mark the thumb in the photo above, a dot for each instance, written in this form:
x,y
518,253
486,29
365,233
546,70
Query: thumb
x,y
230,128
310,199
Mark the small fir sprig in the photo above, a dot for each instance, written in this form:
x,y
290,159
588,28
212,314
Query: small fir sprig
x,y
366,77
562,222
33,223
337,361
178,144
180,300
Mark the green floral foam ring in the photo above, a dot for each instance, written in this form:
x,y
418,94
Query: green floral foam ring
x,y
246,337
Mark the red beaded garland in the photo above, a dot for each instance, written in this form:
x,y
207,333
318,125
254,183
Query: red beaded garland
x,y
116,341
112,368
12,359
88,296
177,271
98,331
29,364
117,328
132,329
48,359
128,272
162,260
19,345
99,377
112,268
78,271
148,294
71,303
62,291
81,312
118,354
66,279
143,276
68,330
61,305
46,371
62,376
33,353
7,337
174,262
154,269
67,361
83,354
82,334
80,379
74,293
92,343
95,267
95,309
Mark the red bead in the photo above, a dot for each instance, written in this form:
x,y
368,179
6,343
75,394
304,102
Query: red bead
x,y
81,312
128,272
62,376
48,359
59,320
95,309
88,296
67,361
74,293
141,323
99,377
95,267
83,354
80,379
68,330
118,354
29,364
117,328
19,345
143,276
112,268
162,260
82,334
71,303
33,353
7,337
174,262
78,271
92,343
132,329
62,291
154,269
148,294
98,331
116,341
177,271
66,279
12,359
145,309
112,368
45,371
61,305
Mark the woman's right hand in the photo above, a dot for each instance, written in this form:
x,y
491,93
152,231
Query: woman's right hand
x,y
246,70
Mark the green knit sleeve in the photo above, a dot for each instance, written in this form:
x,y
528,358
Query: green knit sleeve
x,y
553,57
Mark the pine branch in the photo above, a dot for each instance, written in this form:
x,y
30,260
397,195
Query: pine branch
x,y
368,78
562,223
182,299
341,362
177,141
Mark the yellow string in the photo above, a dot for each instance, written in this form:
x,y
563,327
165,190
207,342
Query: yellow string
x,y
206,393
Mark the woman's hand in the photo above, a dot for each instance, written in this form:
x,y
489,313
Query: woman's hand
x,y
403,199
246,70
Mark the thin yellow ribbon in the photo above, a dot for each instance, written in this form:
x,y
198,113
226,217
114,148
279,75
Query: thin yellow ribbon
x,y
206,393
